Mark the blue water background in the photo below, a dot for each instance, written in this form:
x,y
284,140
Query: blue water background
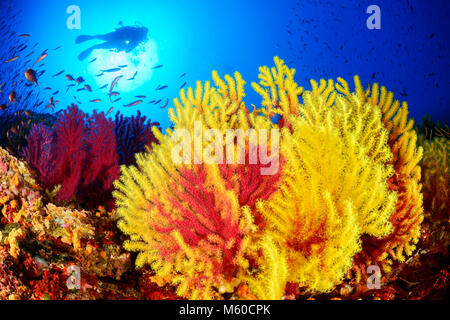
x,y
320,39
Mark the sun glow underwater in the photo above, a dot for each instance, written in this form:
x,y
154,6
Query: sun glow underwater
x,y
139,65
224,151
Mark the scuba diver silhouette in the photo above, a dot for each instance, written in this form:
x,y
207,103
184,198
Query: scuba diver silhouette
x,y
122,39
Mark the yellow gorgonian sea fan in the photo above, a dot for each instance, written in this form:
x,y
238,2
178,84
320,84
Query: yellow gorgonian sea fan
x,y
408,213
191,220
337,160
269,281
355,121
307,215
279,91
360,127
435,166
331,194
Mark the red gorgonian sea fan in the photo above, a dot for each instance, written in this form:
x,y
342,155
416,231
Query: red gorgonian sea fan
x,y
70,152
101,167
79,155
40,151
249,184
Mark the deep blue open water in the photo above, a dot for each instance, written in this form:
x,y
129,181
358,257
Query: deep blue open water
x,y
321,39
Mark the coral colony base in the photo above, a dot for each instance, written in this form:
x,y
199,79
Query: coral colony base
x,y
354,203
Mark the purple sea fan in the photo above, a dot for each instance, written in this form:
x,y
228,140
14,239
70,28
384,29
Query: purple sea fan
x,y
132,135
39,152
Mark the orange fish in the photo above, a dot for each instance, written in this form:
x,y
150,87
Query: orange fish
x,y
12,97
12,59
30,74
132,104
41,58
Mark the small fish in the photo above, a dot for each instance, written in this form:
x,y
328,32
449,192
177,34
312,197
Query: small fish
x,y
92,60
103,87
12,59
28,95
42,57
79,80
114,82
182,75
3,107
57,48
96,100
28,113
166,104
81,89
158,101
68,87
123,66
30,74
112,70
79,102
117,100
162,87
111,94
158,66
61,72
99,75
56,92
183,85
69,77
133,77
140,97
14,130
52,103
12,97
109,111
29,54
87,87
132,104
25,35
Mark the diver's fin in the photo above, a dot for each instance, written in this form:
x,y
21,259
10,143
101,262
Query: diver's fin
x,y
83,55
83,38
